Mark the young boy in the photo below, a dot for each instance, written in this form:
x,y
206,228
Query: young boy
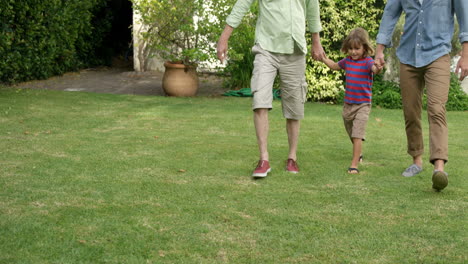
x,y
359,68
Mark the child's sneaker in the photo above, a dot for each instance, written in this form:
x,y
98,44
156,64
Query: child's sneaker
x,y
262,169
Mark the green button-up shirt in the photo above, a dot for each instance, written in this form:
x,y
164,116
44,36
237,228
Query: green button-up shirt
x,y
280,23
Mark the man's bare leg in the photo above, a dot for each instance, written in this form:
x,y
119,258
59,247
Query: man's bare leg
x,y
292,128
262,129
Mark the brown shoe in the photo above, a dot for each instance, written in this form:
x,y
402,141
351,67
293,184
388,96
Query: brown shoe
x,y
439,180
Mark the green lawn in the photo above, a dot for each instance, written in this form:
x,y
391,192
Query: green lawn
x,y
95,178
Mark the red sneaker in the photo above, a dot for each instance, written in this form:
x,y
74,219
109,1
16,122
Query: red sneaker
x,y
291,166
262,169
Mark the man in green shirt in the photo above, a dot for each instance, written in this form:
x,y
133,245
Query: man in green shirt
x,y
280,47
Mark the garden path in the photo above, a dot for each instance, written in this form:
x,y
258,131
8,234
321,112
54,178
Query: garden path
x,y
118,80
121,80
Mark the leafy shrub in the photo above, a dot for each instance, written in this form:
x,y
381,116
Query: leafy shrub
x,y
179,30
240,62
385,93
40,39
324,84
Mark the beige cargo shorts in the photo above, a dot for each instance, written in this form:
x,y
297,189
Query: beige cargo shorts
x,y
355,117
291,69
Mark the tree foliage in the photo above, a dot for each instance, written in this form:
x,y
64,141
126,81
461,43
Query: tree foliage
x,y
172,30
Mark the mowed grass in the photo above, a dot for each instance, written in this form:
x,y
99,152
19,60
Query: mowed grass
x,y
96,178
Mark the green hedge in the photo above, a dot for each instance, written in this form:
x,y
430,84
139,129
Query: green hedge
x,y
40,38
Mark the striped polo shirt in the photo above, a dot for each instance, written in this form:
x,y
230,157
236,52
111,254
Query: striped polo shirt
x,y
359,78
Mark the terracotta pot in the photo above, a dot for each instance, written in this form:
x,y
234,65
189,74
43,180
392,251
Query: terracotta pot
x,y
180,79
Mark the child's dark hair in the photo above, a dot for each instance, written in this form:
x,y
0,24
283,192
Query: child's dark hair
x,y
356,38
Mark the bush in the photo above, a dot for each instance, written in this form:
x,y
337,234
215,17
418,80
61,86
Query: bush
x,y
240,61
40,39
385,93
179,31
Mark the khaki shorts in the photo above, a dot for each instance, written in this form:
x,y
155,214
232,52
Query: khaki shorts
x,y
355,118
291,68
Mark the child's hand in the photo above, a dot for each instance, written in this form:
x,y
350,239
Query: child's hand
x,y
378,66
323,58
330,64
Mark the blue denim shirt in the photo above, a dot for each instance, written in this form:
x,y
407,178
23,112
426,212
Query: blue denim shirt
x,y
428,29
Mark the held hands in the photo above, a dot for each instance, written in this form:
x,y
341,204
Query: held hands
x,y
379,60
378,66
317,52
323,58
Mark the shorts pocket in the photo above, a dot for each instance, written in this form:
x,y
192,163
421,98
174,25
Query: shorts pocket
x,y
256,49
304,89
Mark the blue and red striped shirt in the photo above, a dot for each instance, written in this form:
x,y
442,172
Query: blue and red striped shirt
x,y
359,78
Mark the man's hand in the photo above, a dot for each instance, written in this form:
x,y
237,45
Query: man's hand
x,y
379,59
222,46
462,65
317,50
462,68
221,50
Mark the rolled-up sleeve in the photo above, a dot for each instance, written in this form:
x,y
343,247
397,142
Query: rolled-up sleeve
x,y
392,13
313,16
461,10
238,12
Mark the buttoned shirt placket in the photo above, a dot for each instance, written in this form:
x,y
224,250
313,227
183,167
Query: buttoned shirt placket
x,y
419,33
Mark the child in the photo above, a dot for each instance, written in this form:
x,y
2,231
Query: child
x,y
359,68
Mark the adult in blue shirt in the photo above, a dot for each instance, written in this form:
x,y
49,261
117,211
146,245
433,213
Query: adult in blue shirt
x,y
424,61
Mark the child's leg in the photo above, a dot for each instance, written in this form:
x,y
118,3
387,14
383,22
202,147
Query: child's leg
x,y
349,114
357,133
357,150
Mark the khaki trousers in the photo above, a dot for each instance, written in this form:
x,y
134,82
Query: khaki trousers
x,y
436,78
